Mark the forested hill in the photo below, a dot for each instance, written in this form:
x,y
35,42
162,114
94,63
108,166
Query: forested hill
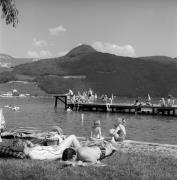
x,y
84,67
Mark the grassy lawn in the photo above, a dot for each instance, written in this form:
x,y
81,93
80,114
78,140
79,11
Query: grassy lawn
x,y
119,166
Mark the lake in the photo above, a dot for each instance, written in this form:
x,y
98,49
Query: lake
x,y
40,113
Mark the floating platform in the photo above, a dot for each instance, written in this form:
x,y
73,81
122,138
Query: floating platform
x,y
117,107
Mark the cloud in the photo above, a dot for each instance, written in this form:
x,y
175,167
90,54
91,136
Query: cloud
x,y
62,53
126,50
56,30
39,55
32,54
39,43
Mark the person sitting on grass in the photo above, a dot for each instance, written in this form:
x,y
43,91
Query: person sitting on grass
x,y
96,131
119,133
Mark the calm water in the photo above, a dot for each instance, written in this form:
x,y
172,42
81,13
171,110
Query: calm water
x,y
39,112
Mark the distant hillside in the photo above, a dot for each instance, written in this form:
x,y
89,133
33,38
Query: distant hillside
x,y
5,56
7,61
84,67
161,59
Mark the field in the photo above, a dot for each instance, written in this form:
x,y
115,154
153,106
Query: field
x,y
119,166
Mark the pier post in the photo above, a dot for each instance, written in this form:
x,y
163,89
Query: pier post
x,y
153,111
66,103
56,101
173,112
168,112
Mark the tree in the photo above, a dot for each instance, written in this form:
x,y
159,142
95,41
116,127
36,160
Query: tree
x,y
9,12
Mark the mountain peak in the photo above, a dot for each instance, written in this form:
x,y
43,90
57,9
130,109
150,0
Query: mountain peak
x,y
80,50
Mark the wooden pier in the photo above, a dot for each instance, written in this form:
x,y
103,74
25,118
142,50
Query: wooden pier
x,y
116,107
62,98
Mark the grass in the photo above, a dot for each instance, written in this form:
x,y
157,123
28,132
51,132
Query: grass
x,y
119,166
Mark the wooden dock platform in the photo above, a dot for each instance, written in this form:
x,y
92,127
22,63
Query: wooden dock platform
x,y
116,107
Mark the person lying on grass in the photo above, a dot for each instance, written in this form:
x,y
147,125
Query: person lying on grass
x,y
84,153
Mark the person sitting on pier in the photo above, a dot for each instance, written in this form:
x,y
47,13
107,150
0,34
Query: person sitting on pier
x,y
90,92
108,104
148,103
119,133
95,97
70,94
170,101
162,102
105,98
111,99
137,103
96,131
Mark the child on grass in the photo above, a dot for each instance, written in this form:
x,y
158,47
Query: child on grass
x,y
96,130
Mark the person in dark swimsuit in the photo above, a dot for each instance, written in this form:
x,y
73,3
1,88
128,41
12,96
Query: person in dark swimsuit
x,y
91,154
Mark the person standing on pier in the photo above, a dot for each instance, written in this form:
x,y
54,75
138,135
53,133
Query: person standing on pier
x,y
70,95
162,102
170,101
90,92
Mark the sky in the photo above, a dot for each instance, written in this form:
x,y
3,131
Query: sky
x,y
51,28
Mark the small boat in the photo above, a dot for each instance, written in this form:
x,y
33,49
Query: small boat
x,y
14,108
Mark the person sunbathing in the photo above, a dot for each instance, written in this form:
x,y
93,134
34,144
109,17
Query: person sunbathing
x,y
53,152
91,154
84,153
